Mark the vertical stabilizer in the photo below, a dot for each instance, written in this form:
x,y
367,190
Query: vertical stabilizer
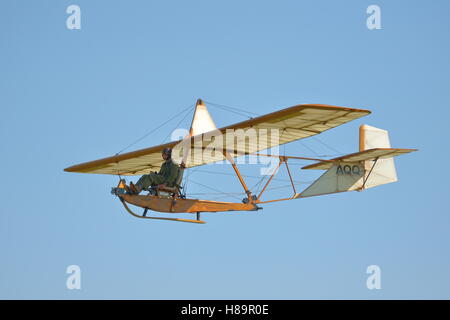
x,y
383,170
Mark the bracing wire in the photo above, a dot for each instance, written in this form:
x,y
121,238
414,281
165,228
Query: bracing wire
x,y
186,180
178,124
328,146
244,175
258,184
310,149
153,130
213,193
215,190
239,111
287,186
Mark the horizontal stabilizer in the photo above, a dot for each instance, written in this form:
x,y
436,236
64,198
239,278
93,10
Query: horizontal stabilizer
x,y
338,178
371,154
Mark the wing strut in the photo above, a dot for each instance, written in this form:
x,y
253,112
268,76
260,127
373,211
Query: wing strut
x,y
373,166
283,159
236,170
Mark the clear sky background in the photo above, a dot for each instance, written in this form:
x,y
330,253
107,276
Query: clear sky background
x,y
70,96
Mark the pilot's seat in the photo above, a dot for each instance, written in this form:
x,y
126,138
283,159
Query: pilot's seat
x,y
174,191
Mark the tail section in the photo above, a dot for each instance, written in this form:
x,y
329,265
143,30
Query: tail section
x,y
372,166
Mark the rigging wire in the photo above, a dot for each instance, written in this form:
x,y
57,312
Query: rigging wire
x,y
216,190
186,180
287,186
328,146
244,175
153,130
221,193
178,124
239,111
258,184
310,149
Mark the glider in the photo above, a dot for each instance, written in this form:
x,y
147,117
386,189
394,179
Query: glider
x,y
372,166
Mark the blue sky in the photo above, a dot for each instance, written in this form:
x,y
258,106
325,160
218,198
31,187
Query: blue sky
x,y
69,96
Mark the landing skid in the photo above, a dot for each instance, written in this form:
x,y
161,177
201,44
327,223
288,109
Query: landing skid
x,y
144,216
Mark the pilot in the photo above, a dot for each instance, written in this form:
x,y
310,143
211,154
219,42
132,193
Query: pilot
x,y
166,176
